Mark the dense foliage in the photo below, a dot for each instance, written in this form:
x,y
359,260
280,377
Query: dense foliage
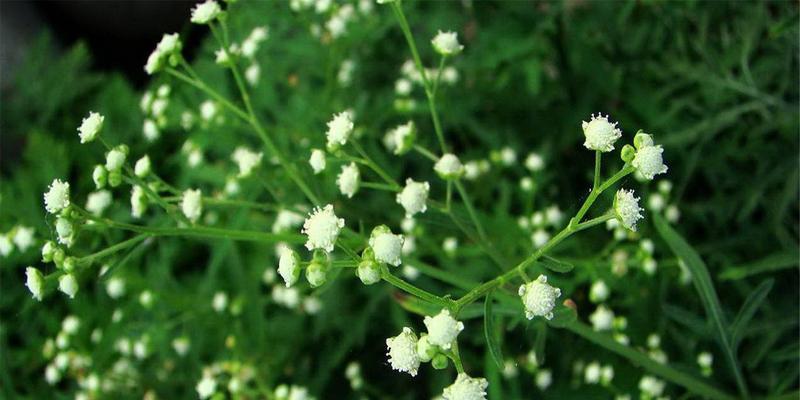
x,y
716,83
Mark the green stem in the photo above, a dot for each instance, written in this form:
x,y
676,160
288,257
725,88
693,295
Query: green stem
x,y
438,76
597,156
471,210
425,152
456,357
413,290
375,167
113,249
207,90
379,186
595,193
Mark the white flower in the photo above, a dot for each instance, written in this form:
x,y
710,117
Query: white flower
x,y
599,292
656,202
289,266
99,176
443,329
115,287
206,12
626,206
226,56
540,238
534,162
286,220
368,272
339,130
403,352
553,215
672,214
57,196
648,159
449,167
115,158
317,161
602,318
97,202
208,110
403,137
591,374
192,204
446,43
169,44
90,127
466,388
23,237
544,378
6,246
539,298
65,231
349,180
150,130
600,133
651,386
154,62
387,246
181,345
414,197
138,202
322,228
68,285
253,74
142,167
219,302
450,245
208,385
247,160
402,87
508,156
35,282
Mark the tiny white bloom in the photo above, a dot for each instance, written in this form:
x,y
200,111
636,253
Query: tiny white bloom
x,y
116,158
289,266
508,156
539,298
253,74
285,220
598,292
181,345
449,167
534,162
649,265
247,160
99,176
57,196
23,237
656,202
65,231
349,180
339,130
207,386
600,133
414,197
115,287
602,318
68,285
6,245
142,167
591,374
649,160
35,282
208,110
402,87
322,228
206,12
446,43
450,245
466,388
544,378
403,137
443,329
368,272
219,302
553,215
317,161
387,246
626,206
138,202
651,386
90,127
402,352
540,237
150,130
192,204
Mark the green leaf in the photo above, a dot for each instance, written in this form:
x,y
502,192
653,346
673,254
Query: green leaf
x,y
490,332
748,310
708,295
774,262
563,316
555,265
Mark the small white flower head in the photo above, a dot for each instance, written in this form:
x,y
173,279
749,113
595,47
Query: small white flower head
x,y
602,318
626,206
402,352
599,292
591,374
534,162
446,43
508,156
192,204
150,130
443,329
57,196
540,237
322,228
227,56
386,246
403,137
208,385
68,285
368,272
206,12
339,130
651,386
116,158
138,202
649,159
100,176
317,271
317,161
600,133
181,345
90,127
170,43
247,160
414,197
115,287
6,245
35,282
23,237
449,167
65,231
219,302
142,167
289,266
656,202
450,246
466,388
425,350
253,74
349,180
539,298
544,378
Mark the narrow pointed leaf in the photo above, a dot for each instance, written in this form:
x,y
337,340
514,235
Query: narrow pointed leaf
x,y
749,308
490,332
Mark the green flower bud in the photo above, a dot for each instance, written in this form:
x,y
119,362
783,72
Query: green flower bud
x,y
58,257
115,178
627,153
439,361
425,350
69,264
48,250
100,176
316,274
642,140
368,272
